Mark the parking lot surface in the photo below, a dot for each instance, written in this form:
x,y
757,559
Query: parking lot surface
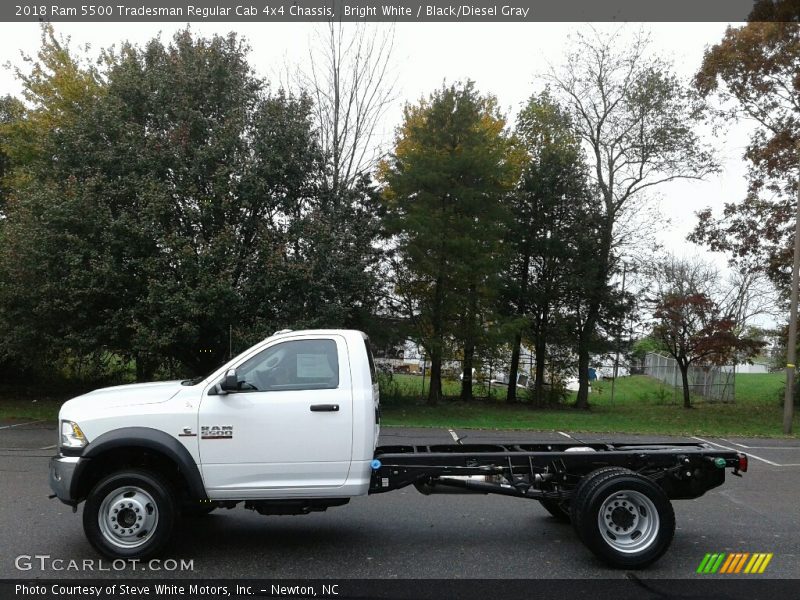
x,y
404,534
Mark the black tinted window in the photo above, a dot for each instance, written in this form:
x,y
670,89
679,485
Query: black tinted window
x,y
296,365
371,360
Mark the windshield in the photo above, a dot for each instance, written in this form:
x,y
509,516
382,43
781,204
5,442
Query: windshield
x,y
199,378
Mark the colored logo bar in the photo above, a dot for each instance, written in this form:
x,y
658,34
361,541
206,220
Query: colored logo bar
x,y
735,562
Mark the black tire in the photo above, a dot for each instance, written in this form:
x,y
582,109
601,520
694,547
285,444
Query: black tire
x,y
579,495
637,517
140,501
559,509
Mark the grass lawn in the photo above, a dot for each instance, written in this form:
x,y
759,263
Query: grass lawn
x,y
23,403
12,409
641,405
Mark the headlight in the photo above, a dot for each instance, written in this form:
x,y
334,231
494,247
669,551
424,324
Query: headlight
x,y
71,435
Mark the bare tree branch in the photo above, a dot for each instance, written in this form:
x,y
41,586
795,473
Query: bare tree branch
x,y
635,120
352,82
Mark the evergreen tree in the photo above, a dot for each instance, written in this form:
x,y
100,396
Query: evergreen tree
x,y
444,193
552,208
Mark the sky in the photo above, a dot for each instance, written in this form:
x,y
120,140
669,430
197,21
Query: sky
x,y
502,58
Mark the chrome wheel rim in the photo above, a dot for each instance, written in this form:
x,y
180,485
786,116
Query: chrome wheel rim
x,y
628,521
128,517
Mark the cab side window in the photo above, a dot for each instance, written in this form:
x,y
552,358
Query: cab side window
x,y
292,365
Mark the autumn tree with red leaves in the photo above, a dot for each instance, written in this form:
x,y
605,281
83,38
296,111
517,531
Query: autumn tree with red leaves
x,y
695,332
692,325
754,71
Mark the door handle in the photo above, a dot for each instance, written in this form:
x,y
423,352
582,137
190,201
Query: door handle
x,y
324,407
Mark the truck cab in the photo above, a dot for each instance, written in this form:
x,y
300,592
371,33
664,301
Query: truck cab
x,y
295,418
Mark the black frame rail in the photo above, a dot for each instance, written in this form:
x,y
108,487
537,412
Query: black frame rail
x,y
549,470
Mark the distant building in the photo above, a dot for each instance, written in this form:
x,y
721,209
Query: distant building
x,y
746,368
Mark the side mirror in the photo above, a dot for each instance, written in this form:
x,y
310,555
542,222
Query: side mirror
x,y
231,382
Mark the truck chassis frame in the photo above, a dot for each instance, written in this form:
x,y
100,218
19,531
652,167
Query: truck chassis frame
x,y
616,495
549,470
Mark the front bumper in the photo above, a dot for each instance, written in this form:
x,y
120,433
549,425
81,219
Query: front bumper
x,y
62,470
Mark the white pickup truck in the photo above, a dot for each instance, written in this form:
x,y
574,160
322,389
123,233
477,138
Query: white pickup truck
x,y
291,426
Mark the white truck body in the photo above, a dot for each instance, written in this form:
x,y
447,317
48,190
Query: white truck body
x,y
259,444
291,426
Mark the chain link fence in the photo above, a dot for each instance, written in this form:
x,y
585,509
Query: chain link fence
x,y
706,383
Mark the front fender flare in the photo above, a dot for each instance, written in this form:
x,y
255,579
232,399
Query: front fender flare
x,y
145,438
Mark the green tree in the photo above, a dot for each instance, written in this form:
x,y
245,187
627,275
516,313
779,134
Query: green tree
x,y
444,195
645,345
637,122
58,90
11,111
551,209
179,204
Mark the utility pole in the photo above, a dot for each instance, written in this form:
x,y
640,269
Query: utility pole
x,y
619,339
791,346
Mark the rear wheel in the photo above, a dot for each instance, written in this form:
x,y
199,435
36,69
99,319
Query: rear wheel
x,y
129,514
623,517
579,495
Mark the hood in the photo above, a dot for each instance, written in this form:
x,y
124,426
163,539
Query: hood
x,y
123,395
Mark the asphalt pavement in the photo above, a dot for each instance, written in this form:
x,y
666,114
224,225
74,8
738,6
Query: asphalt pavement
x,y
403,534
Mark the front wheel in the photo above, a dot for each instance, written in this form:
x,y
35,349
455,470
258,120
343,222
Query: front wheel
x,y
129,514
624,518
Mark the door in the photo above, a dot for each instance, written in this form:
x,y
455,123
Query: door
x,y
288,427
